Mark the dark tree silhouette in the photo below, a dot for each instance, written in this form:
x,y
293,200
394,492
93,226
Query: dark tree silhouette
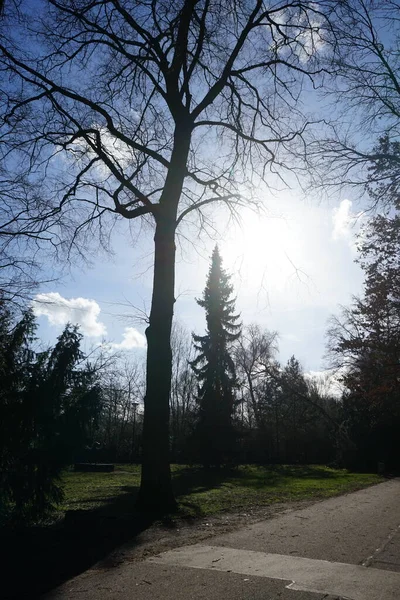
x,y
364,341
215,369
48,402
150,110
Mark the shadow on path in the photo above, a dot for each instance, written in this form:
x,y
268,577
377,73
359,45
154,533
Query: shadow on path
x,y
34,560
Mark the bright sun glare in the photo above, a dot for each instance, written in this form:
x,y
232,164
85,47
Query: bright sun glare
x,y
263,252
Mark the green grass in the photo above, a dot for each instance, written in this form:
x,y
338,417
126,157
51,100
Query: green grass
x,y
202,493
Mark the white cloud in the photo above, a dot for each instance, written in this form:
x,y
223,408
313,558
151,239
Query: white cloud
x,y
131,338
85,313
117,150
79,311
310,40
307,29
342,219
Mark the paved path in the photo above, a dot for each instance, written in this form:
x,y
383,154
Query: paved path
x,y
342,548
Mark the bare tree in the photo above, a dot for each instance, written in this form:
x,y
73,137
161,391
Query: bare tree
x,y
183,390
22,256
122,389
359,147
255,358
151,110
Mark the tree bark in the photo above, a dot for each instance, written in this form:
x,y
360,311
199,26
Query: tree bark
x,y
156,494
155,487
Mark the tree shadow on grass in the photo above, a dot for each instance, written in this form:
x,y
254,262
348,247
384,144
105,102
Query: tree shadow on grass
x,y
198,479
305,471
273,476
192,480
36,559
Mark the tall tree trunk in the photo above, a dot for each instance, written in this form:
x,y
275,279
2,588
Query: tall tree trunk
x,y
155,492
155,488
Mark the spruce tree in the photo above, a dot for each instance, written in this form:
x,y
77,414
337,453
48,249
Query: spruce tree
x,y
215,369
48,402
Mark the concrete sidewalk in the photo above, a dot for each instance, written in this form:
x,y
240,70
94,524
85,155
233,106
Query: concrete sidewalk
x,y
347,529
344,547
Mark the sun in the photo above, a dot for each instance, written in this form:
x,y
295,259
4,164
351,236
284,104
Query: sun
x,y
262,252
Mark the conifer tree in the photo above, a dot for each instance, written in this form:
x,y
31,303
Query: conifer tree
x,y
215,369
48,401
365,343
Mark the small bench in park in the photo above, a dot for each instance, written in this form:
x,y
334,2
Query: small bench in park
x,y
94,467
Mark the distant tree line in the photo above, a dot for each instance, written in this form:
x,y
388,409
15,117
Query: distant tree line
x,y
233,402
246,407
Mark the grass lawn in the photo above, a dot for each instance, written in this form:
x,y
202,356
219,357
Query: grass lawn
x,y
202,493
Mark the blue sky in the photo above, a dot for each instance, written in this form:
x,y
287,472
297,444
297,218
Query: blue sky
x,y
291,268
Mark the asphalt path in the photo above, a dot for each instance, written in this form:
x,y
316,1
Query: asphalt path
x,y
346,547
